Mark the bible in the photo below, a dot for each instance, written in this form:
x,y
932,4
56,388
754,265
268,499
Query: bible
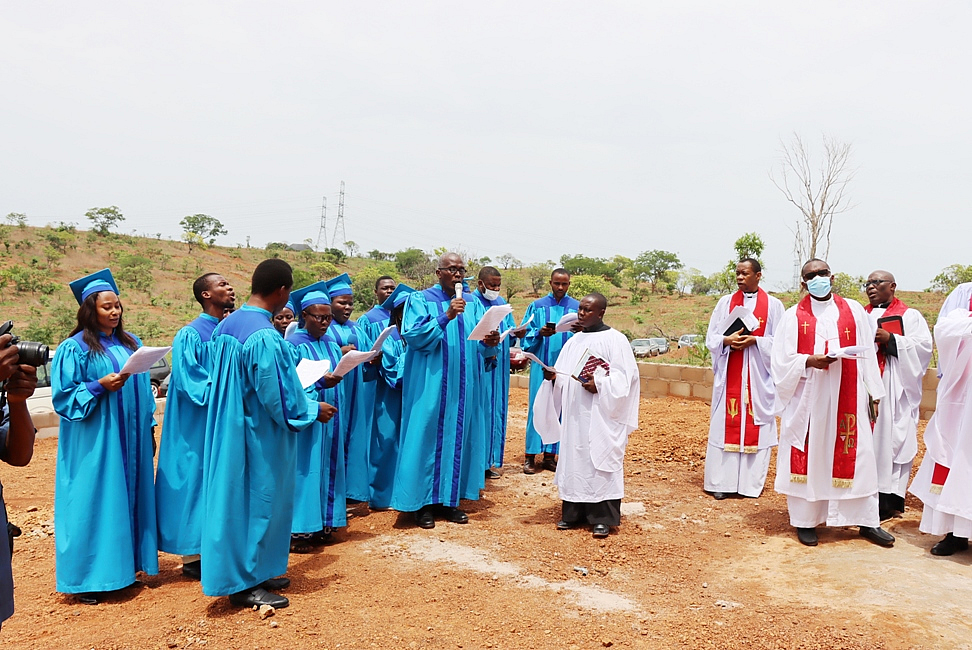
x,y
893,324
584,370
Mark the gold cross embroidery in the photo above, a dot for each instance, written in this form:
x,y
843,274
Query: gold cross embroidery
x,y
847,429
805,325
847,333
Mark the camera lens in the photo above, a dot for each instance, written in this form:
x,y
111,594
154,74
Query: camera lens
x,y
33,353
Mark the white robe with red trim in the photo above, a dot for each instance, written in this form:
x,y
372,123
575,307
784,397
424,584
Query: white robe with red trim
x,y
809,400
948,436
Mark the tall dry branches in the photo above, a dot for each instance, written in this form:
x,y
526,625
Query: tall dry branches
x,y
818,196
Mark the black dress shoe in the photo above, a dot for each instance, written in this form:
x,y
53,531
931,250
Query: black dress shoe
x,y
492,474
807,536
550,462
950,544
455,515
530,464
88,599
719,496
275,584
600,531
256,597
424,518
877,535
565,525
192,570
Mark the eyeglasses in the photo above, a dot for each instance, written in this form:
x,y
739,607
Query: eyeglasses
x,y
320,318
874,282
822,273
461,270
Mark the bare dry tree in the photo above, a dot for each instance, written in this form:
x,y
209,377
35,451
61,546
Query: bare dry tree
x,y
818,196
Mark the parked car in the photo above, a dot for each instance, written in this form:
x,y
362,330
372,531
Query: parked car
x,y
658,346
642,348
689,340
517,359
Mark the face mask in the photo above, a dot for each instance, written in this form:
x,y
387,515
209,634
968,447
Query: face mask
x,y
818,287
490,294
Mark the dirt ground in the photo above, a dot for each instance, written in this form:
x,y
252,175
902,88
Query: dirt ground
x,y
682,571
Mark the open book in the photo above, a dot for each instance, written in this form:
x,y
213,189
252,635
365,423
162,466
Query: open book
x,y
584,370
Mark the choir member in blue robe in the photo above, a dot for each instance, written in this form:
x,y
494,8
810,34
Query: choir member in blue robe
x,y
497,379
320,502
104,492
284,317
376,319
257,411
178,481
442,447
542,340
385,374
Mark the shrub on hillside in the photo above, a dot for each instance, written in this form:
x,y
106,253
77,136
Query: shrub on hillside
x,y
581,285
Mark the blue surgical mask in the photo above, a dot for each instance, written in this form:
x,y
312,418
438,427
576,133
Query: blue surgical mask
x,y
818,286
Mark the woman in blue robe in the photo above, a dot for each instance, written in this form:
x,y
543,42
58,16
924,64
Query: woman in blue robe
x,y
104,497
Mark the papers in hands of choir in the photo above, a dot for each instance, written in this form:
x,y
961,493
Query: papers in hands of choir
x,y
381,338
142,359
510,330
490,321
740,319
535,359
290,330
352,359
310,370
850,352
563,325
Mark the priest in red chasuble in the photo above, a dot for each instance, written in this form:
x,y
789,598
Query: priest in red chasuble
x,y
827,380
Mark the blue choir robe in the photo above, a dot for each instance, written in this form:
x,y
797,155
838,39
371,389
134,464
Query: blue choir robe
x,y
442,448
358,412
386,380
178,482
547,348
257,411
320,497
104,493
497,386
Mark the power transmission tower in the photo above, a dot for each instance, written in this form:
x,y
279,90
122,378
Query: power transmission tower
x,y
323,230
339,226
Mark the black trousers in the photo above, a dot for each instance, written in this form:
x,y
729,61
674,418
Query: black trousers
x,y
603,512
890,502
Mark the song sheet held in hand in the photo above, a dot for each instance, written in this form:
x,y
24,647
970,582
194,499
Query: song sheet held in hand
x,y
743,314
381,338
310,370
512,329
352,359
563,325
142,359
850,352
535,359
490,321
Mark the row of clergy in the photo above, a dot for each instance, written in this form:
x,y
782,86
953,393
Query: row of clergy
x,y
845,381
417,429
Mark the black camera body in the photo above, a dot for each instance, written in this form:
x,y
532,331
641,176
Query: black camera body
x,y
31,353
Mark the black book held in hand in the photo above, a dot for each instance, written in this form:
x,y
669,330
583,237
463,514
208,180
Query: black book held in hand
x,y
737,326
893,324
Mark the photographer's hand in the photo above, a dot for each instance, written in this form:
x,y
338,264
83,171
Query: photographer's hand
x,y
9,357
21,384
20,437
113,381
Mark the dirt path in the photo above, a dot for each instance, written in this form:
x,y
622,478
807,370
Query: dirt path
x,y
683,571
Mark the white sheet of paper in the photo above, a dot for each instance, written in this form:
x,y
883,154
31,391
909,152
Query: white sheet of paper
x,y
290,331
310,370
744,314
535,359
490,321
510,330
563,325
381,338
142,359
850,352
352,359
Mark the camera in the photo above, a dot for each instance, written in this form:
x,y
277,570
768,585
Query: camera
x,y
31,353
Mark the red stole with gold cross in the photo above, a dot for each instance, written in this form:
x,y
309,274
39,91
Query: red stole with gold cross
x,y
738,408
896,308
845,448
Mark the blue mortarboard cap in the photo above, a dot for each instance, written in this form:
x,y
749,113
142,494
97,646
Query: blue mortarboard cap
x,y
313,294
339,286
398,296
290,305
96,282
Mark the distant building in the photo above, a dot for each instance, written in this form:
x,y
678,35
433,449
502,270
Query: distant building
x,y
300,247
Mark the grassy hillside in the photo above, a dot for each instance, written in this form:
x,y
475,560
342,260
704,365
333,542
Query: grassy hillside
x,y
155,278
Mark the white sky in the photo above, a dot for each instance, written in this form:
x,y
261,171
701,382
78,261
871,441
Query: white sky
x,y
534,128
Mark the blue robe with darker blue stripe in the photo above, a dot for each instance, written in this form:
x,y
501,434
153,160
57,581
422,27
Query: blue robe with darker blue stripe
x,y
386,380
257,411
320,496
442,448
178,482
104,493
547,348
358,402
497,386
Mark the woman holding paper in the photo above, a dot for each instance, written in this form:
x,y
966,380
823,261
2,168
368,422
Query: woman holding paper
x,y
104,498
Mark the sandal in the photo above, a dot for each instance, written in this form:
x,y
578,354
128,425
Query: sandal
x,y
322,537
301,544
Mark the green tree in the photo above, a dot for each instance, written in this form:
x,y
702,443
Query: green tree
x,y
583,265
415,265
581,285
352,248
539,276
512,284
951,277
848,286
206,228
379,256
104,219
363,284
193,240
655,266
749,245
18,219
135,271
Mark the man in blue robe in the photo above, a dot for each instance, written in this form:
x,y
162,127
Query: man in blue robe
x,y
543,340
385,375
442,448
497,379
178,480
376,319
257,408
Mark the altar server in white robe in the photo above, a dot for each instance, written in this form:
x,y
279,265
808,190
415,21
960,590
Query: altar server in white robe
x,y
591,419
742,431
826,465
944,479
903,344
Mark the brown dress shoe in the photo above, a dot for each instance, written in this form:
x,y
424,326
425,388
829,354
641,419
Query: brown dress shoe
x,y
530,464
550,462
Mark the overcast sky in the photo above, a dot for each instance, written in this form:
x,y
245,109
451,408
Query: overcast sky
x,y
531,128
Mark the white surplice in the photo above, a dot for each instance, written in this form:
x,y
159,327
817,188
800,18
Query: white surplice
x,y
896,428
742,473
959,298
809,400
592,428
948,436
